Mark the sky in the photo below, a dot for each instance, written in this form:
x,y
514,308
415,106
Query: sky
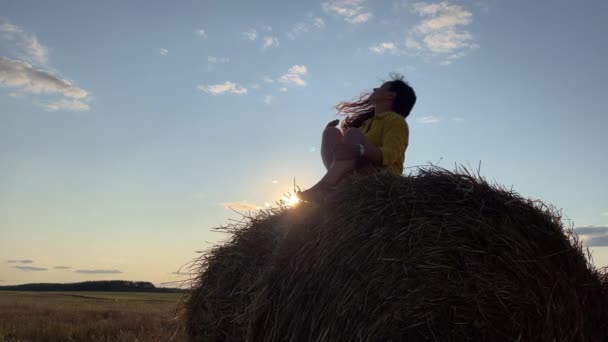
x,y
130,129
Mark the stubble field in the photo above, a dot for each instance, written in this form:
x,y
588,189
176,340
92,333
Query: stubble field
x,y
89,316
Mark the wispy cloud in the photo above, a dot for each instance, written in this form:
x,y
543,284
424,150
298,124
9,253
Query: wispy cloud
x,y
222,88
30,48
269,41
98,271
201,33
295,76
73,105
30,268
383,48
591,230
593,236
318,22
217,60
428,119
62,267
25,261
250,34
268,99
25,78
240,206
597,241
352,11
22,75
442,31
298,29
163,52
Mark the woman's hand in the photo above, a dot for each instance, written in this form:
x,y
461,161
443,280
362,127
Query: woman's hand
x,y
333,123
346,151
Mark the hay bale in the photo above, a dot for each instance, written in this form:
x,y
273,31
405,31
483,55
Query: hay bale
x,y
437,256
224,275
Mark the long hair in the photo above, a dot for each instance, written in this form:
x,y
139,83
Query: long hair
x,y
360,109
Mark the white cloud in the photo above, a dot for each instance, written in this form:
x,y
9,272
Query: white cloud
x,y
212,59
442,16
255,86
294,76
240,206
283,89
163,52
442,31
74,105
226,87
22,75
457,119
268,79
201,33
352,11
361,18
250,34
268,99
429,119
31,49
383,47
269,42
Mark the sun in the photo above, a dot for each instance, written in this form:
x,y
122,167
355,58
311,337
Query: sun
x,y
291,200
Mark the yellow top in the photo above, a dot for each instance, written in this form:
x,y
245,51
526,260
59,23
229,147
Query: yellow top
x,y
389,132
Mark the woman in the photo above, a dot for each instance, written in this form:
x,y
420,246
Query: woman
x,y
374,135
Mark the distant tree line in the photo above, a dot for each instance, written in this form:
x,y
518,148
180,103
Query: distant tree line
x,y
102,285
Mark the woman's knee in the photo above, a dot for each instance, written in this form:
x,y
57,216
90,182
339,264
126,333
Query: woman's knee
x,y
332,131
332,134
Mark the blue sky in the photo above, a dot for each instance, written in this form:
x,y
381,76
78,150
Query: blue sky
x,y
128,128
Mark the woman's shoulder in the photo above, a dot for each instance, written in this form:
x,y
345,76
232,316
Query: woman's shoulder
x,y
395,118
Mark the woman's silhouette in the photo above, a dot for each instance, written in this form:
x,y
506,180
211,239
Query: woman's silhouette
x,y
374,136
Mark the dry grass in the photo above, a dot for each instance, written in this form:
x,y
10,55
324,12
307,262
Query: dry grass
x,y
436,256
88,316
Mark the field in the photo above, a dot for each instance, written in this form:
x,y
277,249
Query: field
x,y
89,316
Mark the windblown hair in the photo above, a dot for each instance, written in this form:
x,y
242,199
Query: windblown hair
x,y
360,109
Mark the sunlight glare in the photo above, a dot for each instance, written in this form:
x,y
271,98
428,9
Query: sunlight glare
x,y
292,200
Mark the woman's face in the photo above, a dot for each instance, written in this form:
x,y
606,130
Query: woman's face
x,y
382,95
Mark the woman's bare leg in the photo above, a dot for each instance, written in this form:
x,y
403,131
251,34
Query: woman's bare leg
x,y
341,167
338,169
331,137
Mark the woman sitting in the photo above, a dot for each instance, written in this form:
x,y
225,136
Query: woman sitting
x,y
374,136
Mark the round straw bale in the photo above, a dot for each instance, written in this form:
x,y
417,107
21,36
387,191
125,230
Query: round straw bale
x,y
219,291
435,256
